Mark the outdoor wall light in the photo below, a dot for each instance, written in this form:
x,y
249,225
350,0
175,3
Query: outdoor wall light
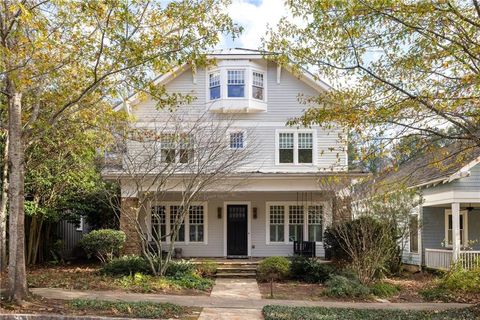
x,y
219,212
254,209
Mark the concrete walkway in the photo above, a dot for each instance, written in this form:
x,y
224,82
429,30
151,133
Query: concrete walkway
x,y
234,289
232,303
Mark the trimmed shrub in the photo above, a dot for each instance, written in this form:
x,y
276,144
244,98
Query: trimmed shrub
x,y
180,268
273,268
105,244
126,265
384,290
207,268
340,286
310,270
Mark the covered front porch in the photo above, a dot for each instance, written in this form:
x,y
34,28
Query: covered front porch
x,y
450,234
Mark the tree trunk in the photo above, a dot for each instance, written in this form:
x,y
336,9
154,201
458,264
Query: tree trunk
x,y
16,271
3,209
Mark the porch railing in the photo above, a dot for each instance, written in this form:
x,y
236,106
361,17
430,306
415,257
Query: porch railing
x,y
443,259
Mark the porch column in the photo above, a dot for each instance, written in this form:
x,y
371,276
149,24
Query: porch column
x,y
128,224
456,231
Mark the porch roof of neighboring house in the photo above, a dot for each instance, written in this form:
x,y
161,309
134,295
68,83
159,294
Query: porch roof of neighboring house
x,y
437,166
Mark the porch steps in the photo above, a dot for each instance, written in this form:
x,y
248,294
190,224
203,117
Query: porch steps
x,y
237,269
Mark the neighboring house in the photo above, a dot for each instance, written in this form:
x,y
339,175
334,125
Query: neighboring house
x,y
280,200
448,220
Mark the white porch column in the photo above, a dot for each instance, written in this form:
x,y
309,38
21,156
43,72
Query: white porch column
x,y
456,230
420,232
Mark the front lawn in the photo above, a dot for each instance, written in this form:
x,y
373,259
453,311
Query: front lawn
x,y
89,277
271,312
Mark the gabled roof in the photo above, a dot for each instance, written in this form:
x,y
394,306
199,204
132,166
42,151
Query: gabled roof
x,y
438,166
234,53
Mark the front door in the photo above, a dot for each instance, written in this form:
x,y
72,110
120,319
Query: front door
x,y
237,230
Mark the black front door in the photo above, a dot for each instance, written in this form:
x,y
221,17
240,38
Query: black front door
x,y
237,244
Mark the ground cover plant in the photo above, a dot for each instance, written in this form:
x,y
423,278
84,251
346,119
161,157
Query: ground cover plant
x,y
272,312
99,308
141,309
455,285
121,274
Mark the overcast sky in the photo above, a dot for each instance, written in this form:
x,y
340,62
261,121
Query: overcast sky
x,y
254,16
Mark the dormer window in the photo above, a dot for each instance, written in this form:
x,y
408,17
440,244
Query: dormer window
x,y
257,85
214,82
236,83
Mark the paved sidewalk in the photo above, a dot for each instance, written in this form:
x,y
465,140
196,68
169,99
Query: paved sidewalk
x,y
234,303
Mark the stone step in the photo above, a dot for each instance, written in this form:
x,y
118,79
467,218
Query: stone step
x,y
236,271
237,268
236,275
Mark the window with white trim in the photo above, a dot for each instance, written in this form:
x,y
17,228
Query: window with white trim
x,y
167,145
277,223
237,140
285,147
413,233
257,85
177,148
305,147
175,215
295,147
236,83
214,85
449,228
195,220
159,223
295,223
315,228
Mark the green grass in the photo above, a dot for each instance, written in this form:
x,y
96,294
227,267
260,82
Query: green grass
x,y
131,309
271,312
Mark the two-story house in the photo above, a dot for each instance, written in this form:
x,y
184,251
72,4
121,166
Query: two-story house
x,y
279,199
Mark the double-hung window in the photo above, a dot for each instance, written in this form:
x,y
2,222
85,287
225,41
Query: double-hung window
x,y
175,217
257,85
295,148
305,147
195,220
167,145
277,223
449,228
295,221
315,215
186,149
413,233
159,223
236,83
286,146
214,85
237,140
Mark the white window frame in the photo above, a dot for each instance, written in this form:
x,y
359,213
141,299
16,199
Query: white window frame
x,y
176,147
264,84
246,82
213,71
464,213
229,132
295,146
167,205
326,213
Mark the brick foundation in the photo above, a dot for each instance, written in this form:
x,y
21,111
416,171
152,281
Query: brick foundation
x,y
128,214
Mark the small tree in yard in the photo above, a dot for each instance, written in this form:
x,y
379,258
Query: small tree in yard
x,y
370,226
273,269
186,154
